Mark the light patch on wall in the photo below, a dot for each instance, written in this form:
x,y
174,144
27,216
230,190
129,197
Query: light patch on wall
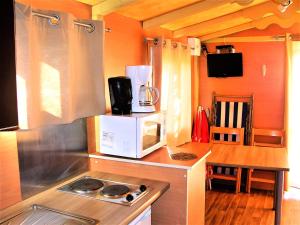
x,y
22,101
264,70
294,112
50,90
267,15
293,194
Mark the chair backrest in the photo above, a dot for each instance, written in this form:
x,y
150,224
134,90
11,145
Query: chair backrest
x,y
267,137
226,135
233,111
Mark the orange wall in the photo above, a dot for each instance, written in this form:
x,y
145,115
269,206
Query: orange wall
x,y
124,45
268,91
10,191
78,9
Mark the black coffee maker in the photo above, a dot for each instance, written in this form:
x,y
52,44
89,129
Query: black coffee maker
x,y
120,92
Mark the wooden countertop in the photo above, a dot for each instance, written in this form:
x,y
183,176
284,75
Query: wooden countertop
x,y
107,213
267,158
161,156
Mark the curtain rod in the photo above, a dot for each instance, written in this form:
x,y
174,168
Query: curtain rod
x,y
156,40
54,20
89,27
291,36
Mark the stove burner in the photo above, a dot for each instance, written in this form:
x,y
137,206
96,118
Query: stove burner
x,y
115,191
87,185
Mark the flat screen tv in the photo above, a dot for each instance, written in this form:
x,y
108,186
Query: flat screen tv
x,y
225,65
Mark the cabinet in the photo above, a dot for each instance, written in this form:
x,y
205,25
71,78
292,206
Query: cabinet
x,y
8,89
143,219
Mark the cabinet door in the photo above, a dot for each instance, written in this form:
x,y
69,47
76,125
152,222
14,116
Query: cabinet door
x,y
8,90
143,219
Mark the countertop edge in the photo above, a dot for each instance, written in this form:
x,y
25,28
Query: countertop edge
x,y
91,155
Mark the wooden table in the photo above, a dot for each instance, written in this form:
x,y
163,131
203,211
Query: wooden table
x,y
254,157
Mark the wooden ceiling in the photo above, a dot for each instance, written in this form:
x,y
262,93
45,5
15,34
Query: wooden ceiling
x,y
206,19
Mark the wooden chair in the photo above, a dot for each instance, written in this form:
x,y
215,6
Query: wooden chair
x,y
237,138
233,111
265,138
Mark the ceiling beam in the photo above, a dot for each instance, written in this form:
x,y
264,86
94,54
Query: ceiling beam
x,y
90,2
183,12
278,38
108,6
259,24
253,12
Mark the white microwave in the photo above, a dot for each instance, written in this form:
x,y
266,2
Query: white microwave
x,y
132,136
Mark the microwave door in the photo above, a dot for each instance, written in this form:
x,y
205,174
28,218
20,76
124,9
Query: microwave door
x,y
151,134
150,138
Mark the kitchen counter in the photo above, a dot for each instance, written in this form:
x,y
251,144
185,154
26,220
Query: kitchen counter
x,y
161,156
107,213
184,203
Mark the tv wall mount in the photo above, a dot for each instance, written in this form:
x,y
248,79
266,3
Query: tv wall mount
x,y
225,49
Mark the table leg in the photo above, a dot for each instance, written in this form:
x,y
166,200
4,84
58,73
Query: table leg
x,y
278,196
275,191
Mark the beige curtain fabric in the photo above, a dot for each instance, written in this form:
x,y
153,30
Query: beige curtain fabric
x,y
88,79
176,92
293,109
59,69
154,58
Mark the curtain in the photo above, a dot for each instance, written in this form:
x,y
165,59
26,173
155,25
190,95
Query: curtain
x,y
176,92
195,80
59,69
153,58
292,120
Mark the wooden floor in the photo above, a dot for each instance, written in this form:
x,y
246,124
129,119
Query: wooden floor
x,y
226,207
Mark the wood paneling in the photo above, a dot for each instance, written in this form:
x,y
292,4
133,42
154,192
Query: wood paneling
x,y
189,11
229,17
273,30
214,11
206,19
91,2
10,191
107,6
141,9
261,24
